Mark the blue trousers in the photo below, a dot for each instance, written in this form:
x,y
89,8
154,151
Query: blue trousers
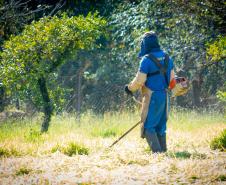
x,y
157,113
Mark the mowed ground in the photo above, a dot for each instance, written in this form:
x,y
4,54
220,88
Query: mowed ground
x,y
35,159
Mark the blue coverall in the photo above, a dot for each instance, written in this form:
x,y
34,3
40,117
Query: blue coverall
x,y
157,115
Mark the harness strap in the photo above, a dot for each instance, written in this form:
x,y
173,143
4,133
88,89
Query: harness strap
x,y
162,69
154,73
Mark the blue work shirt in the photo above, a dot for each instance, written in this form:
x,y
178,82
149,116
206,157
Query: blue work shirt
x,y
156,82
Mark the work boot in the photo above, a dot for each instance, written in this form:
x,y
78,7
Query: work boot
x,y
162,142
153,141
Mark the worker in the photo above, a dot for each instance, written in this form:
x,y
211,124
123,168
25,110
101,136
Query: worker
x,y
155,78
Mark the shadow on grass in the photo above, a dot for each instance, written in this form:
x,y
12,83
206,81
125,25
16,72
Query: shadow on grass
x,y
186,155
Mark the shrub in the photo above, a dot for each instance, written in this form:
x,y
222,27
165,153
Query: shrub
x,y
219,142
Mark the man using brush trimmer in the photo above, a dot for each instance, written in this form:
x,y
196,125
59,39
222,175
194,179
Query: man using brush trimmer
x,y
155,78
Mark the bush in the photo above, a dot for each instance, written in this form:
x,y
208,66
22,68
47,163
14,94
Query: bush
x,y
219,142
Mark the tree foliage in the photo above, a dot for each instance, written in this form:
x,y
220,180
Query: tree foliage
x,y
217,50
29,58
183,32
192,32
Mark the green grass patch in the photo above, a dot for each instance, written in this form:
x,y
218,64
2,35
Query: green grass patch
x,y
71,149
56,148
191,120
179,155
24,135
105,133
4,152
186,155
75,149
23,171
109,133
221,178
33,136
219,142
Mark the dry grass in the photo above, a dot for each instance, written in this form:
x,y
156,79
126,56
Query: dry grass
x,y
189,160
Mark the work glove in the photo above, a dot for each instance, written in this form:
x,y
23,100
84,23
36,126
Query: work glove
x,y
128,91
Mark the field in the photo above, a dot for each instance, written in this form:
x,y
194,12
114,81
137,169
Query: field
x,y
76,152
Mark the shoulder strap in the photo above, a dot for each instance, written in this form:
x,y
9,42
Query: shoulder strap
x,y
157,63
163,69
166,63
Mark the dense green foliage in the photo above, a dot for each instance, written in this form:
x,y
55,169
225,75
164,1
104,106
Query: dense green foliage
x,y
44,45
183,32
29,58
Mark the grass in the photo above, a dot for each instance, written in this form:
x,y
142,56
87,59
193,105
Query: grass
x,y
186,155
5,152
23,171
188,160
24,135
71,149
221,178
219,142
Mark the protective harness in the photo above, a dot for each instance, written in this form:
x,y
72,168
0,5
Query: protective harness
x,y
162,69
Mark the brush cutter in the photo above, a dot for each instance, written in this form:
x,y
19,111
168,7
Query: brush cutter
x,y
128,131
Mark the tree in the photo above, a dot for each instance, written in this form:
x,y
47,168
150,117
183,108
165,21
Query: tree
x,y
14,15
28,58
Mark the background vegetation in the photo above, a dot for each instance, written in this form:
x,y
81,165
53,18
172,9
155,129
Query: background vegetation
x,y
60,56
68,62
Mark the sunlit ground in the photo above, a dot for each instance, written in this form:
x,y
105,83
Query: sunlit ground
x,y
56,157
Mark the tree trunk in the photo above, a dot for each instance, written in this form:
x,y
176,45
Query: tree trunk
x,y
2,99
79,94
17,104
196,92
47,106
79,88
